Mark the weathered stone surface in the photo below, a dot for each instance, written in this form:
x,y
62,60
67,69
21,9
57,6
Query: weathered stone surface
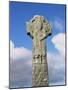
x,y
39,29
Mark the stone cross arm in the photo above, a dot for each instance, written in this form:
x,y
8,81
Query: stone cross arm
x,y
29,29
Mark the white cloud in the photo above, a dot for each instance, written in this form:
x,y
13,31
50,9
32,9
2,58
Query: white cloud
x,y
58,24
20,73
19,53
11,47
59,43
56,61
20,66
56,69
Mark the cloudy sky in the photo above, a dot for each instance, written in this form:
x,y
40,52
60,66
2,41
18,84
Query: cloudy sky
x,y
21,44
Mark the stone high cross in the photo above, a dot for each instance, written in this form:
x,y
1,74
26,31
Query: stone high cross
x,y
39,29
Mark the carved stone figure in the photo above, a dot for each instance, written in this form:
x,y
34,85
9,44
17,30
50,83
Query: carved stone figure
x,y
39,29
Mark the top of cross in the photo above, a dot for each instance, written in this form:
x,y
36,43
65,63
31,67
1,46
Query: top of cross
x,y
38,23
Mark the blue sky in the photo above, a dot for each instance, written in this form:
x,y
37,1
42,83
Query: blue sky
x,y
21,12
